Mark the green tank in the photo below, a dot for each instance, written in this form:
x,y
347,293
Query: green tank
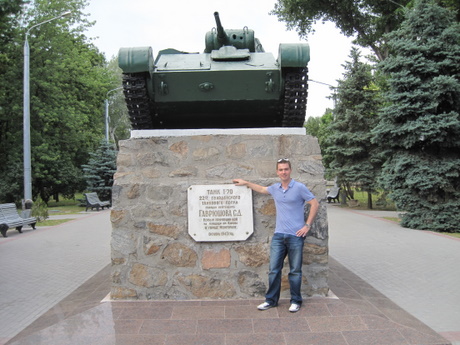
x,y
234,83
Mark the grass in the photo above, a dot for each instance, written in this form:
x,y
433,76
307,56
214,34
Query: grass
x,y
62,207
52,222
398,220
67,202
393,219
453,234
362,198
60,210
65,206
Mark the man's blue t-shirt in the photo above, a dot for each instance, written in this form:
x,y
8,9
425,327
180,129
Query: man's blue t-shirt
x,y
290,206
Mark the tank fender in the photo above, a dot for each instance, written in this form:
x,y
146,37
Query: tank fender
x,y
293,54
135,60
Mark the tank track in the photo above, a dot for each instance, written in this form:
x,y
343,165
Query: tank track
x,y
140,108
137,100
295,97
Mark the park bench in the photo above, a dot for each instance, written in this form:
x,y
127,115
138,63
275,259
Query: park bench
x,y
333,194
9,218
92,201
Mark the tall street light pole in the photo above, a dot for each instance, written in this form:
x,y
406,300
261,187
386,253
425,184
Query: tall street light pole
x,y
27,156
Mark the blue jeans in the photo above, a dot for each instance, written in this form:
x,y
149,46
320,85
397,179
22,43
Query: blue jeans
x,y
283,245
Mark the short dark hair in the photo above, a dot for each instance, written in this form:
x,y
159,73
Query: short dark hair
x,y
283,161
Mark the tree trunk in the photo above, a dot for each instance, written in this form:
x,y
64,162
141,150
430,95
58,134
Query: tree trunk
x,y
369,200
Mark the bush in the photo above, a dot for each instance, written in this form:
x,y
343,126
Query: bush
x,y
40,209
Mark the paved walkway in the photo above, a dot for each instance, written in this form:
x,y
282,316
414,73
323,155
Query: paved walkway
x,y
418,270
41,267
52,282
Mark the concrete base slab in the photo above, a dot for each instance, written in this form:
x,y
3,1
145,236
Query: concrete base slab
x,y
148,133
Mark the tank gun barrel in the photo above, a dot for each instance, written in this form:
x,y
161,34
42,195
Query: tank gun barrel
x,y
221,35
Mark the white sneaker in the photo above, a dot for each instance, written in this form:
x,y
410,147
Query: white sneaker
x,y
265,306
294,308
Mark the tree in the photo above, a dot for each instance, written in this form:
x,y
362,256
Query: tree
x,y
68,84
367,20
353,158
313,125
419,127
120,124
100,169
10,12
66,99
319,127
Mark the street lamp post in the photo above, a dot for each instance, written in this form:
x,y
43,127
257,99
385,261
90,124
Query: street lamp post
x,y
27,155
107,113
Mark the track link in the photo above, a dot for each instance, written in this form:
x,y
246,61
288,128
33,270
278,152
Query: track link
x,y
295,97
139,106
142,112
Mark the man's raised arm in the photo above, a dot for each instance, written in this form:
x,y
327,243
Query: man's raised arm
x,y
255,187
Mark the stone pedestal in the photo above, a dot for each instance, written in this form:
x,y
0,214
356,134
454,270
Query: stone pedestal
x,y
153,255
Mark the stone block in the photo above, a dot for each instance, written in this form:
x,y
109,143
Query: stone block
x,y
118,292
164,230
180,255
215,259
208,287
153,255
251,284
253,255
180,148
145,276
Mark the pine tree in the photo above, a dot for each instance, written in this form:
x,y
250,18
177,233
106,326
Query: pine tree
x,y
319,127
420,125
100,169
353,156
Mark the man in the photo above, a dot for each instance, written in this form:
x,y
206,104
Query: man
x,y
290,197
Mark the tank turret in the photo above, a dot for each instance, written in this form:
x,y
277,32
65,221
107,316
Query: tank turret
x,y
233,84
221,34
240,38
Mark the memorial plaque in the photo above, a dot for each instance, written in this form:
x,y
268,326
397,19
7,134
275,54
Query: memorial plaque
x,y
220,213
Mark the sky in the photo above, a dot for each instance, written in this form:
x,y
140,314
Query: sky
x,y
182,25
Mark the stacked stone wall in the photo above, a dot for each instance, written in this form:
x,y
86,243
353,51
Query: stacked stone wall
x,y
154,257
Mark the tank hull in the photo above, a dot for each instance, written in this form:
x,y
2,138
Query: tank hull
x,y
228,86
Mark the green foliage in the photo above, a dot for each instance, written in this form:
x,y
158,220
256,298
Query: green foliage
x,y
100,169
10,98
11,183
52,222
9,11
313,125
40,210
419,128
319,127
366,20
380,197
68,84
353,158
120,124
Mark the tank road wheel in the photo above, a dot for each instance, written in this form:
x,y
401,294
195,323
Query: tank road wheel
x,y
137,100
295,97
